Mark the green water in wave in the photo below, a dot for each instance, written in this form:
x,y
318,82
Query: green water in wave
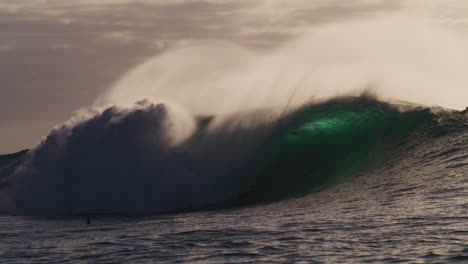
x,y
326,143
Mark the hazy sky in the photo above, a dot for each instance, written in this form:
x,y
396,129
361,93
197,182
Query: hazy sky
x,y
56,55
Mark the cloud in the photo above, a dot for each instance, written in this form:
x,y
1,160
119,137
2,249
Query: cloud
x,y
199,18
332,11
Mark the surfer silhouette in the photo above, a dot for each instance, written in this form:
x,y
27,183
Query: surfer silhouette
x,y
88,220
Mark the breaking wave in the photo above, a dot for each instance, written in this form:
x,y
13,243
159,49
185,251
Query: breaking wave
x,y
127,161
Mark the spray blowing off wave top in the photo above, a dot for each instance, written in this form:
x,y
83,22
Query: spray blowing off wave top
x,y
126,161
220,124
396,57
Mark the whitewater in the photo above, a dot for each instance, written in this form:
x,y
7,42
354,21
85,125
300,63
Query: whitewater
x,y
345,145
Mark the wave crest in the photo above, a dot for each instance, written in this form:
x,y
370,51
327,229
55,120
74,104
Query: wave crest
x,y
137,161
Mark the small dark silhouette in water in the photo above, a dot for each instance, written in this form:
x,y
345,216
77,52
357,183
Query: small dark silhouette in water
x,y
294,133
465,111
88,220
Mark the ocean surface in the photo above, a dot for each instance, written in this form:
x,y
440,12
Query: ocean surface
x,y
344,181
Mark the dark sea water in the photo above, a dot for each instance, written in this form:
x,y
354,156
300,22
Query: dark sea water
x,y
405,201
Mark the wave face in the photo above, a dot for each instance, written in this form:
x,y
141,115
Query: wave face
x,y
137,161
331,142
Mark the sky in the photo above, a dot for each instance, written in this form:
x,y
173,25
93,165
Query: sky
x,y
57,56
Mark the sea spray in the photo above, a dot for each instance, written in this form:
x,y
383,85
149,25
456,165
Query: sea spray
x,y
396,57
112,159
